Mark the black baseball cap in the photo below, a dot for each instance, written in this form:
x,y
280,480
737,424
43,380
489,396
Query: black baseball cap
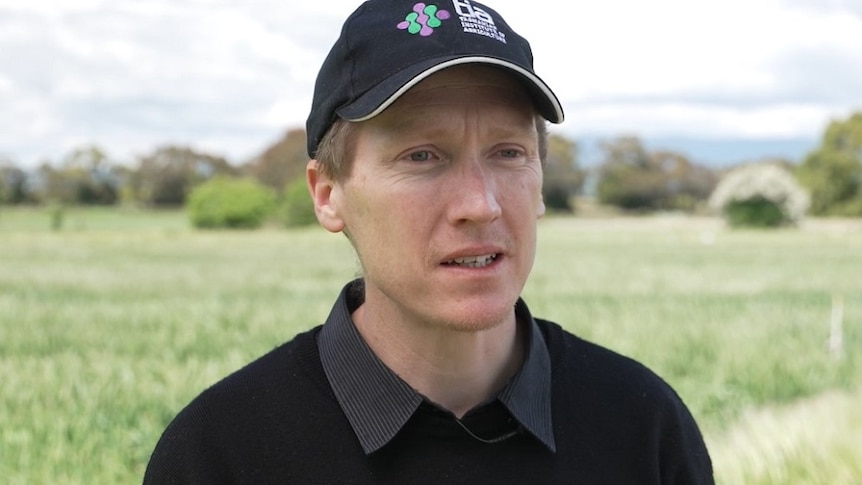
x,y
388,46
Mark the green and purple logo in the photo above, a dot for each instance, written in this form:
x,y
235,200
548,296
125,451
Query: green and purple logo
x,y
423,19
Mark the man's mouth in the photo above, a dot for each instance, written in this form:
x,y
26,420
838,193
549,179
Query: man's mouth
x,y
473,261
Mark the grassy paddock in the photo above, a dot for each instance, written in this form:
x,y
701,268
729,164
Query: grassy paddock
x,y
110,325
815,440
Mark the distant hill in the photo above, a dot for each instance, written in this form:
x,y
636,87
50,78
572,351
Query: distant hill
x,y
712,152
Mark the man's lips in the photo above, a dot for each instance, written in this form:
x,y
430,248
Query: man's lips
x,y
479,261
476,256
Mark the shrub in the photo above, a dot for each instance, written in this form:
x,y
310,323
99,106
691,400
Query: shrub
x,y
224,202
297,208
761,195
754,212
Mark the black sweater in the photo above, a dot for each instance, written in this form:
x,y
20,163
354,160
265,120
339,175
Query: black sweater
x,y
277,421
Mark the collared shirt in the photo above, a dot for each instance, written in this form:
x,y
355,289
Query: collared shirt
x,y
378,403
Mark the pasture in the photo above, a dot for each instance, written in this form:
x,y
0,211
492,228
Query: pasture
x,y
111,324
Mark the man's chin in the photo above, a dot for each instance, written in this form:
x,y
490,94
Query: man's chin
x,y
475,317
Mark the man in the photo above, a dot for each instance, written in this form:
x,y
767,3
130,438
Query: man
x,y
427,134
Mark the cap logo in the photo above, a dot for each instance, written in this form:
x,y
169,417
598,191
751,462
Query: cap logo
x,y
423,19
474,20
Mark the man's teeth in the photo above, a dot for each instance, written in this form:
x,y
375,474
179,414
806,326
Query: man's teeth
x,y
474,261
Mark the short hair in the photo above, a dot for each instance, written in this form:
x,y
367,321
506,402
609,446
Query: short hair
x,y
335,151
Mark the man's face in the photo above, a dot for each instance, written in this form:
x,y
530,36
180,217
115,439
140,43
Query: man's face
x,y
442,200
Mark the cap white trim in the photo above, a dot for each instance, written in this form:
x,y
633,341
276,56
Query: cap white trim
x,y
468,60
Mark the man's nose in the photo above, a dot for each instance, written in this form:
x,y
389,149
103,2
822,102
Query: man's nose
x,y
473,194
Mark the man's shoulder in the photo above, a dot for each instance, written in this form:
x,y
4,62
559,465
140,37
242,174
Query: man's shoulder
x,y
580,363
609,400
289,364
567,348
275,379
274,403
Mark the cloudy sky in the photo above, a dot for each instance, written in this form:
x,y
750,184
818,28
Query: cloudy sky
x,y
230,76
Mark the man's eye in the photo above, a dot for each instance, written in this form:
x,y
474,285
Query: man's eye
x,y
422,156
510,153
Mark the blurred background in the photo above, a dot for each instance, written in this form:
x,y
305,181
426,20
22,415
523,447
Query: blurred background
x,y
705,196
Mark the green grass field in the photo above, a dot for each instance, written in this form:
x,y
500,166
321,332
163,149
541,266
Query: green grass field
x,y
110,325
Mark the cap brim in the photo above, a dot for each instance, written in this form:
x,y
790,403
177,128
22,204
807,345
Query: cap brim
x,y
377,99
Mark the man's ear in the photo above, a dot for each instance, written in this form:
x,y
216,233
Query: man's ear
x,y
325,194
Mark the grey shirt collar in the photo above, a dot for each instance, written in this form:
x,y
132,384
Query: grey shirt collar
x,y
378,403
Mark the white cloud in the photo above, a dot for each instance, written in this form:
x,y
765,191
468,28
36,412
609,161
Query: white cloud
x,y
743,68
676,47
692,120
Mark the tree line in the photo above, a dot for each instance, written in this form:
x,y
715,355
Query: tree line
x,y
628,176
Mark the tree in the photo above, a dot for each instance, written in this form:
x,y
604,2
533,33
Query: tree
x,y
633,178
833,171
760,195
85,176
625,178
562,177
282,162
92,178
14,188
165,177
686,184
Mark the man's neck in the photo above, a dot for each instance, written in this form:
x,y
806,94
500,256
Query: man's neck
x,y
455,369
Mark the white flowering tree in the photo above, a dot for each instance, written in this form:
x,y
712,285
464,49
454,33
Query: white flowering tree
x,y
760,195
